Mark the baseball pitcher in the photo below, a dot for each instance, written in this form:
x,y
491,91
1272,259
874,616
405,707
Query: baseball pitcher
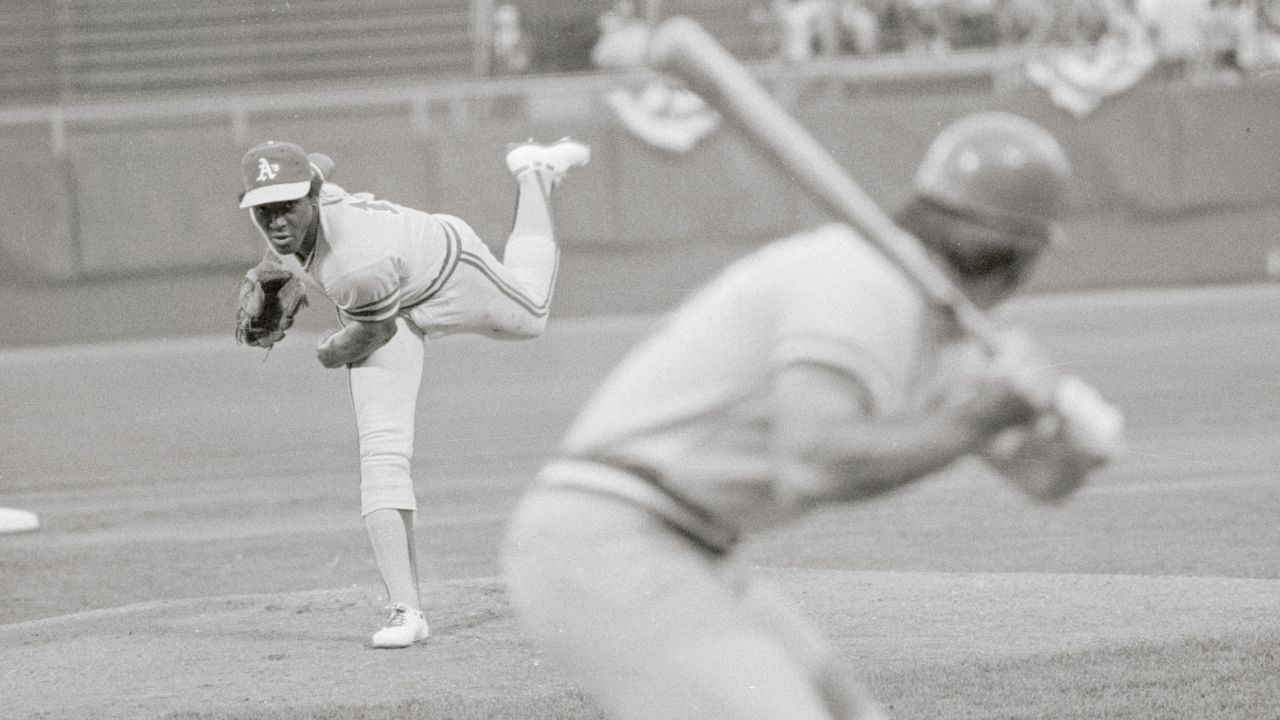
x,y
398,276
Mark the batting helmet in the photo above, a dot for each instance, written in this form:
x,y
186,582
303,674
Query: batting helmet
x,y
1001,169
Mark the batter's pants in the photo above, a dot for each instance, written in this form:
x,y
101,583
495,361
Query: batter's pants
x,y
656,626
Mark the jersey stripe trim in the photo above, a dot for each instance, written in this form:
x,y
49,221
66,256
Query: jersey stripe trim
x,y
453,250
377,310
373,304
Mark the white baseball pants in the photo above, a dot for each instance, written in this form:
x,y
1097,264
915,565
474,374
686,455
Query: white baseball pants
x,y
507,299
655,626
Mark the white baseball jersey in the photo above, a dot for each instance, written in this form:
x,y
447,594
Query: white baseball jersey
x,y
374,258
689,406
377,260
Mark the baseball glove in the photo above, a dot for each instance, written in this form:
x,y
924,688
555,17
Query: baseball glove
x,y
270,296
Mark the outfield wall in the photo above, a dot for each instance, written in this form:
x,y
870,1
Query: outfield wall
x,y
1175,183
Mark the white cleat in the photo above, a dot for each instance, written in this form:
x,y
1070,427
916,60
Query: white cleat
x,y
405,627
551,161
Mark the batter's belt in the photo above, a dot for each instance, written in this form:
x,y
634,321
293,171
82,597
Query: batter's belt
x,y
643,488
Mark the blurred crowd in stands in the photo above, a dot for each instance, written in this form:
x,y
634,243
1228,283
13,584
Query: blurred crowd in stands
x,y
1184,38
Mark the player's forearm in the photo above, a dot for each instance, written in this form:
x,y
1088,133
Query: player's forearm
x,y
858,460
354,342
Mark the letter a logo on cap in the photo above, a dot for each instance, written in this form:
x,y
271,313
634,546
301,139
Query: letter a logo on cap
x,y
267,170
275,172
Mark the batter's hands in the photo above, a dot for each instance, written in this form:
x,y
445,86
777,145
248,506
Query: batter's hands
x,y
1071,406
1051,460
1073,432
1013,387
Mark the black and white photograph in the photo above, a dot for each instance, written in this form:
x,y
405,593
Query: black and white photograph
x,y
639,359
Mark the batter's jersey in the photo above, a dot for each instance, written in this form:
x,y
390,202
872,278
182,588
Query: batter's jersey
x,y
374,258
690,405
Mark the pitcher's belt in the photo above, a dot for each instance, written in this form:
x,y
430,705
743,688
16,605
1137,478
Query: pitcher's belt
x,y
642,487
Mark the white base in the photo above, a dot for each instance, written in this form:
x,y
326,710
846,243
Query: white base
x,y
13,520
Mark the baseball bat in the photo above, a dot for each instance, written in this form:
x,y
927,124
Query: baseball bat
x,y
680,47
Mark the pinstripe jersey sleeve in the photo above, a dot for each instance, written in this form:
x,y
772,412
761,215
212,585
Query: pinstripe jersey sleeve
x,y
370,293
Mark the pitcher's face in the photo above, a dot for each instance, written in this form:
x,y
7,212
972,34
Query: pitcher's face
x,y
286,223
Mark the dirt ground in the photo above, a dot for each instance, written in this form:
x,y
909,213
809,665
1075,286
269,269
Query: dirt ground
x,y
305,649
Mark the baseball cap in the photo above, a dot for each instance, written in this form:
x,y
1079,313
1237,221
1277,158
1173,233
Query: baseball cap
x,y
275,172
